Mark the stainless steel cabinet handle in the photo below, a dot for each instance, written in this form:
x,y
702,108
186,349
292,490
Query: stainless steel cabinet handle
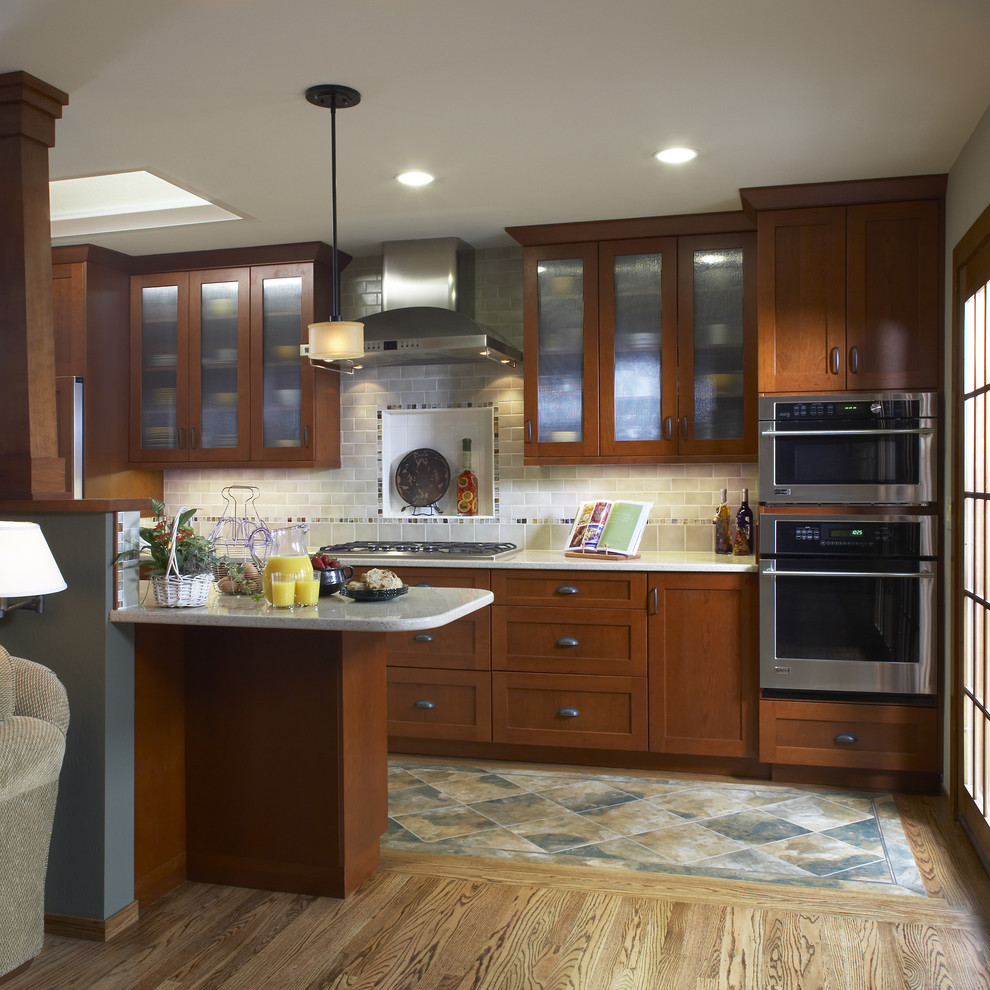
x,y
423,703
684,427
922,432
423,638
668,428
567,589
846,739
854,360
774,572
567,641
529,431
835,360
305,436
654,600
181,437
192,437
568,713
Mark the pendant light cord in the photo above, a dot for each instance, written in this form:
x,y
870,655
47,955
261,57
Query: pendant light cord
x,y
335,263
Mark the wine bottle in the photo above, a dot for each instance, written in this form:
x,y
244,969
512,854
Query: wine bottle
x,y
742,545
467,483
723,536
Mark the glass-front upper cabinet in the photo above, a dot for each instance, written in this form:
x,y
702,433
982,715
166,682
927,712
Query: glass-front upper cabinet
x,y
641,349
282,382
717,344
561,350
189,331
638,346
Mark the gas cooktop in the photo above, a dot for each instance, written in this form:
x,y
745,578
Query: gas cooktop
x,y
411,549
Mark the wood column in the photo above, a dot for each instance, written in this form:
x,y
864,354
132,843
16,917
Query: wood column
x,y
30,467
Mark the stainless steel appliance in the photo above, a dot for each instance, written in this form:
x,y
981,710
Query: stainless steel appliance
x,y
408,549
852,449
848,603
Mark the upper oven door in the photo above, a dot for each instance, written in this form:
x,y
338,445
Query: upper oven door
x,y
842,450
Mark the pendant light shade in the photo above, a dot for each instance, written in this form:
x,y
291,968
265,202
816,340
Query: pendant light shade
x,y
335,339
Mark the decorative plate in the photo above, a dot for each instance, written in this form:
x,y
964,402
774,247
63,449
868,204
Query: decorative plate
x,y
374,594
422,477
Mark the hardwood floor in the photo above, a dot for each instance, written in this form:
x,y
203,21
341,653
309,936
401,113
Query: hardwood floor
x,y
458,923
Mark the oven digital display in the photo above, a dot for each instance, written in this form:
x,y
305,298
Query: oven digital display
x,y
846,534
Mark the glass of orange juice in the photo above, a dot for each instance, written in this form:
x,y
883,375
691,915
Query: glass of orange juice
x,y
307,589
282,589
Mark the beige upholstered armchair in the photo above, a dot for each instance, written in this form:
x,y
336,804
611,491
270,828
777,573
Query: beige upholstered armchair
x,y
34,714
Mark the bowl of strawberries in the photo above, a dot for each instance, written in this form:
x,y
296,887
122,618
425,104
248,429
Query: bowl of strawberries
x,y
333,574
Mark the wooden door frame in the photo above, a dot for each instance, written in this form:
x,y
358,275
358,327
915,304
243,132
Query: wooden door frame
x,y
974,242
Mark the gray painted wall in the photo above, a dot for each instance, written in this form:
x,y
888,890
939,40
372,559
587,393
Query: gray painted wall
x,y
91,864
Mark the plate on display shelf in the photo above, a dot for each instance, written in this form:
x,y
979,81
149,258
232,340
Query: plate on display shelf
x,y
374,594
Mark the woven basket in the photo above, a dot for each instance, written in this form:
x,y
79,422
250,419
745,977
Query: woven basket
x,y
175,590
181,591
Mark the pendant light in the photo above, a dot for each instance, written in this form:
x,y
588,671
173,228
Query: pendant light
x,y
336,339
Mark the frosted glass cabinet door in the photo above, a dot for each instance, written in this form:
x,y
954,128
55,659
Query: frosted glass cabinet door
x,y
561,398
219,386
638,346
717,344
282,384
159,383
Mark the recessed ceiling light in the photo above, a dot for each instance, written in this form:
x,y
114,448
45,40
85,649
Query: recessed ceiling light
x,y
415,178
99,204
676,156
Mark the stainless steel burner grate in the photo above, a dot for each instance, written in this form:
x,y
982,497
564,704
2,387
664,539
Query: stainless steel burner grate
x,y
463,550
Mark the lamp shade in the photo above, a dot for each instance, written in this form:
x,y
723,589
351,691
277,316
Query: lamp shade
x,y
337,340
27,566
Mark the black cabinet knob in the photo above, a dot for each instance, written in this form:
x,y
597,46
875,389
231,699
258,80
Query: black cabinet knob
x,y
423,638
423,703
846,739
567,641
568,713
567,589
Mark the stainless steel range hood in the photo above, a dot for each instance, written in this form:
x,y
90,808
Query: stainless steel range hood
x,y
428,309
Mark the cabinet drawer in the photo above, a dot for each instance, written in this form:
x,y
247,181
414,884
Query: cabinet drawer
x,y
463,644
837,734
570,589
566,710
439,704
565,641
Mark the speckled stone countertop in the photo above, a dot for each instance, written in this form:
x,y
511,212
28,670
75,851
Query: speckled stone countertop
x,y
418,608
554,560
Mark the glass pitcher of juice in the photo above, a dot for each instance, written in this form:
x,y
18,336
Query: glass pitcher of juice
x,y
287,554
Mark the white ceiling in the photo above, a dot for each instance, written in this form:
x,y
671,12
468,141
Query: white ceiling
x,y
528,111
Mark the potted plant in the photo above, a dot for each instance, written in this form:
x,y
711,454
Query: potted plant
x,y
181,564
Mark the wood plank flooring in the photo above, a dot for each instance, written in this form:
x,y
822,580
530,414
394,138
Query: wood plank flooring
x,y
458,923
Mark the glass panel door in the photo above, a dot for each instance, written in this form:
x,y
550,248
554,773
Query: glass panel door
x,y
161,345
282,385
220,381
718,344
560,351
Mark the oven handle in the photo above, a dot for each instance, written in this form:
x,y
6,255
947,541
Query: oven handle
x,y
923,432
772,571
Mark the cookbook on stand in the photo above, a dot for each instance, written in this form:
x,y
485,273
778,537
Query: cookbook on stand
x,y
608,528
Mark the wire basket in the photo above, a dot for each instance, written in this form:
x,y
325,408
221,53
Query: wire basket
x,y
175,590
240,537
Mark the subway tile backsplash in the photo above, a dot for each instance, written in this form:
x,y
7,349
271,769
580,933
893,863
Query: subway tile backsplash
x,y
535,504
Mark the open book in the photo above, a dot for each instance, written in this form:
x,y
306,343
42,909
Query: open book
x,y
608,527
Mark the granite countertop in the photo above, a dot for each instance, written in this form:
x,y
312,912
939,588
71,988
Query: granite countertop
x,y
555,560
419,608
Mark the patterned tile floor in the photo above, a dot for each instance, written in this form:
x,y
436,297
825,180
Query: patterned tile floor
x,y
809,836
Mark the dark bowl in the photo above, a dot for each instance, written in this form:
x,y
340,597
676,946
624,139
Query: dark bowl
x,y
334,579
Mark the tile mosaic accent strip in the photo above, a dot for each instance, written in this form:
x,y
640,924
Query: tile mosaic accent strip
x,y
691,826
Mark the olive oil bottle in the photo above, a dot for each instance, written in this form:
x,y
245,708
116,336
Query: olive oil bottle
x,y
723,534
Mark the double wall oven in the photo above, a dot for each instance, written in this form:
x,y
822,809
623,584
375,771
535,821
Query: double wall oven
x,y
848,544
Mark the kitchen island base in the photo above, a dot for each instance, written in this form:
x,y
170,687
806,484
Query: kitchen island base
x,y
260,758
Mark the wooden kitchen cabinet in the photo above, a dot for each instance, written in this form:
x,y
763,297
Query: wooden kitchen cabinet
x,y
852,735
639,348
217,377
703,677
849,297
89,305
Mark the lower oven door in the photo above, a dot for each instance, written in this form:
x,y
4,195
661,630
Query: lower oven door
x,y
848,625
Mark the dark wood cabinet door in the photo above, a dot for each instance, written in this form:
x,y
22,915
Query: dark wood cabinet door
x,y
703,670
894,310
802,299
